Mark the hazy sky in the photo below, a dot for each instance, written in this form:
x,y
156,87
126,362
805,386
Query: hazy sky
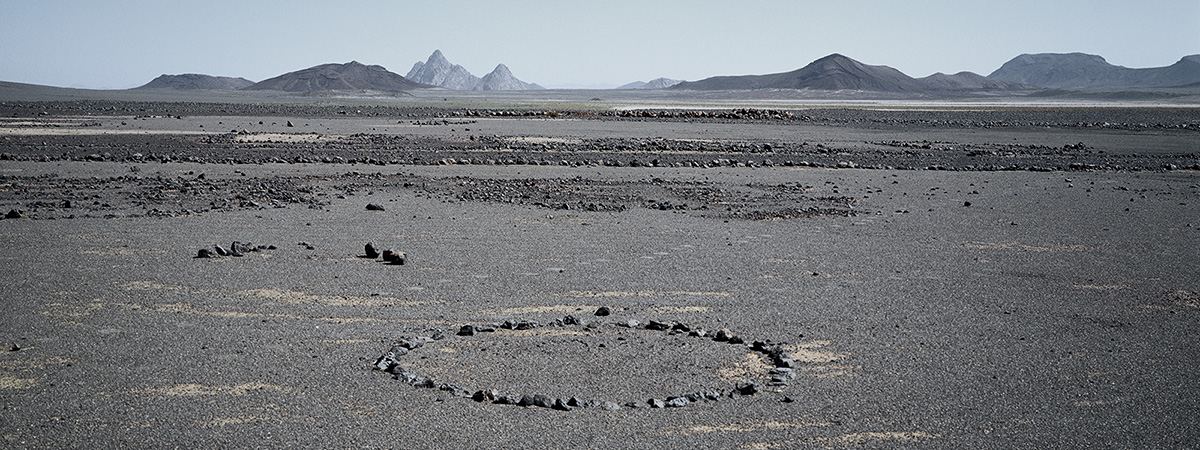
x,y
126,43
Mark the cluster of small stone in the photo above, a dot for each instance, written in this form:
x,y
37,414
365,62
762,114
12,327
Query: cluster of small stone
x,y
781,372
389,256
235,249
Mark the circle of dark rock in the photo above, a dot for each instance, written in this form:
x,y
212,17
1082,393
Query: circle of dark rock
x,y
781,372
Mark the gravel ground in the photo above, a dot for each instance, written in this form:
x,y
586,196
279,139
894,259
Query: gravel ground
x,y
1012,300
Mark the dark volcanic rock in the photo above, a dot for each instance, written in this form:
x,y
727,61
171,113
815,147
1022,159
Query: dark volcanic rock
x,y
195,81
351,76
374,207
603,311
370,251
1081,70
13,214
833,72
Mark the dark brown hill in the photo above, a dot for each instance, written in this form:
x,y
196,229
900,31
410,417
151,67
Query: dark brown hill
x,y
351,76
833,72
969,81
1081,70
196,81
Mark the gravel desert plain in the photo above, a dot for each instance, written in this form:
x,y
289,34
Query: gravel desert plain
x,y
597,269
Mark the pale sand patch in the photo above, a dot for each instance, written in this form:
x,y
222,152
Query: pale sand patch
x,y
14,383
227,421
600,294
811,352
1101,287
124,251
854,439
184,308
544,140
349,341
522,310
287,137
195,390
745,427
1024,247
683,309
298,298
1185,298
91,131
846,440
752,365
149,286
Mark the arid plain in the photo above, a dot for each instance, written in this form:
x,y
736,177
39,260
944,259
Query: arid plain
x,y
935,274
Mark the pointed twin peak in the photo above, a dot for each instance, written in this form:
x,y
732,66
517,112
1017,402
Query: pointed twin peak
x,y
439,71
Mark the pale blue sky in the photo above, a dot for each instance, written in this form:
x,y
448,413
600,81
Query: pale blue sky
x,y
126,43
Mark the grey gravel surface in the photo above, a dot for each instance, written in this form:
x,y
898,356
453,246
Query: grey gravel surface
x,y
1058,309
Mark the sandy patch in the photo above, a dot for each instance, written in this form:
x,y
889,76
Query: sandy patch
x,y
86,132
196,390
290,138
544,140
601,294
683,309
227,421
1024,247
1184,298
752,365
300,298
149,286
556,309
746,427
1101,287
184,308
855,439
14,383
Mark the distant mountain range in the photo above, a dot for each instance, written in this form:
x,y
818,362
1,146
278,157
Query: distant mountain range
x,y
439,71
1019,76
657,83
351,76
1081,70
195,81
1023,73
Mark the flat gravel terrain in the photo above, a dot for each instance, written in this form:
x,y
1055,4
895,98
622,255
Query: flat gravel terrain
x,y
989,284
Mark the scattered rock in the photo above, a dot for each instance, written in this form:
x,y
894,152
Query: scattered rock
x,y
560,405
394,257
485,395
374,207
677,402
13,214
610,406
221,250
723,335
205,253
508,400
603,311
370,251
15,348
289,124
467,330
657,326
631,323
656,403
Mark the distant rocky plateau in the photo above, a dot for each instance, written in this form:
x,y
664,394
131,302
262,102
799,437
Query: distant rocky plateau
x,y
1081,70
657,83
195,81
